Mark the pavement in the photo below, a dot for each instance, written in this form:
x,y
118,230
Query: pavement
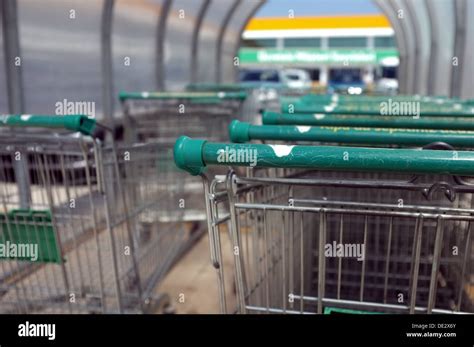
x,y
192,283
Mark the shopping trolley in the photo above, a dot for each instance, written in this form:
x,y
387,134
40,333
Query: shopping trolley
x,y
153,116
256,96
381,137
93,213
162,116
297,240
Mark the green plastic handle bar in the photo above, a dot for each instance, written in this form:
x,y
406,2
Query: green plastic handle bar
x,y
194,155
331,310
208,86
371,109
327,98
320,119
80,123
241,132
182,95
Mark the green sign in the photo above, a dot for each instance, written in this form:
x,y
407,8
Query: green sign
x,y
315,56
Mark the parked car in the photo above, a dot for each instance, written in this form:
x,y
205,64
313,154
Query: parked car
x,y
387,82
297,80
268,82
346,81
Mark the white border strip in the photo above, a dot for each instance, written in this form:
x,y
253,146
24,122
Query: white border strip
x,y
303,33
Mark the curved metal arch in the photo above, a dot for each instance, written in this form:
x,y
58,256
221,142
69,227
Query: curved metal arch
x,y
391,14
403,59
407,27
160,44
220,39
457,73
195,41
413,52
467,82
247,19
440,71
106,60
14,85
11,42
421,26
434,58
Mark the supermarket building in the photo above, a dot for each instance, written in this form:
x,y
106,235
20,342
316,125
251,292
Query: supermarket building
x,y
324,46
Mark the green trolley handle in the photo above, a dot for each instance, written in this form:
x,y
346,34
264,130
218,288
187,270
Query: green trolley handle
x,y
194,155
370,110
320,119
241,132
366,99
191,96
212,87
80,123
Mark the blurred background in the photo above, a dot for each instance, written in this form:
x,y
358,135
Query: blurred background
x,y
91,51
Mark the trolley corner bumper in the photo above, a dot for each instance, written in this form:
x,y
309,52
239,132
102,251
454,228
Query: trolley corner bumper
x,y
188,155
239,131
